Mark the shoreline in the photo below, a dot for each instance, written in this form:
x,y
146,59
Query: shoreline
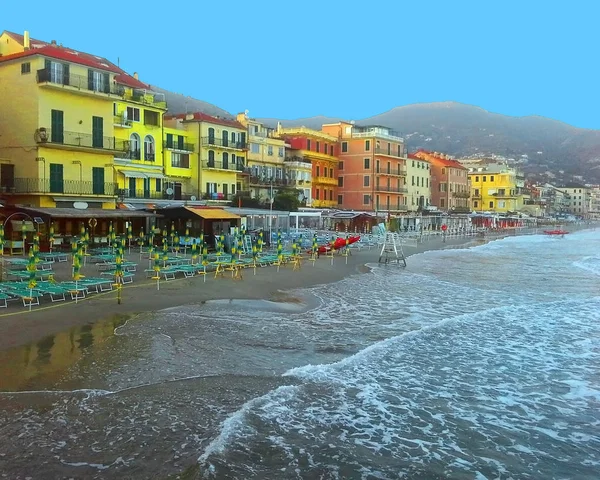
x,y
22,327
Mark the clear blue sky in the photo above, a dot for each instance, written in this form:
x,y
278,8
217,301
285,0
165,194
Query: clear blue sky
x,y
345,59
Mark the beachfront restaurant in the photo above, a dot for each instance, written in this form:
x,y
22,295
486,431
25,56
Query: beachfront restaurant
x,y
261,219
67,223
197,220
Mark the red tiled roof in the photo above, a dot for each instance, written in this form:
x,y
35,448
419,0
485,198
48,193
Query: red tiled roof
x,y
73,56
204,117
441,161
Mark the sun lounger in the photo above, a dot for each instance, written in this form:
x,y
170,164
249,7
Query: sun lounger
x,y
3,299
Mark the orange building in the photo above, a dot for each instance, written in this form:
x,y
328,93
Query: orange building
x,y
372,168
450,189
321,150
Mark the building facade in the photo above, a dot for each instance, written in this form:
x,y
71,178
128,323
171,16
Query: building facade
x,y
449,182
579,199
418,183
217,172
495,188
265,169
372,168
320,151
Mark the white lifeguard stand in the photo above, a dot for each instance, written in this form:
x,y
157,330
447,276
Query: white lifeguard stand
x,y
391,251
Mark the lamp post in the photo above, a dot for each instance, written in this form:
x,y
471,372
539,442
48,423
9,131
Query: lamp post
x,y
78,162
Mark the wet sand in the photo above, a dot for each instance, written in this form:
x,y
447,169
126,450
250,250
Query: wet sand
x,y
21,326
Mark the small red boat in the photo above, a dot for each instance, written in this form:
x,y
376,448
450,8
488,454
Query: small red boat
x,y
337,244
555,232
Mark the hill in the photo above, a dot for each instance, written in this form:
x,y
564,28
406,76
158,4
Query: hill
x,y
540,144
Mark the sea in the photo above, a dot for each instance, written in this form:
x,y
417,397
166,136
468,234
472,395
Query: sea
x,y
470,363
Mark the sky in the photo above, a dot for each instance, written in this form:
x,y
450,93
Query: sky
x,y
349,59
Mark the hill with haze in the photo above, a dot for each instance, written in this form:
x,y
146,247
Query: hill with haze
x,y
540,144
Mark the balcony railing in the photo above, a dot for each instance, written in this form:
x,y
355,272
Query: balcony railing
x,y
461,194
219,142
298,159
378,134
76,139
392,153
145,194
326,180
226,197
122,120
222,166
81,82
148,98
267,181
68,187
398,171
129,155
185,147
385,188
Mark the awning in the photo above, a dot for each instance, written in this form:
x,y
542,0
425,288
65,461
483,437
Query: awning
x,y
133,174
213,213
86,213
154,175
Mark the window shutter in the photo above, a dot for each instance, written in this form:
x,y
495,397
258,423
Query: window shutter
x,y
106,84
90,79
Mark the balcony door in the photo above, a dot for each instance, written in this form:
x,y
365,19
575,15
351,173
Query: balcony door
x,y
132,187
211,136
225,191
56,178
225,160
98,181
225,138
146,188
97,132
57,134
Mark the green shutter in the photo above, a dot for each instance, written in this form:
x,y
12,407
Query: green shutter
x,y
56,178
98,180
180,142
57,126
169,140
97,132
66,74
106,83
90,79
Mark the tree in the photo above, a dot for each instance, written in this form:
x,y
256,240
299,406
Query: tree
x,y
287,199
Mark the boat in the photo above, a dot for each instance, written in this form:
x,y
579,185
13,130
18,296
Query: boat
x,y
337,244
555,232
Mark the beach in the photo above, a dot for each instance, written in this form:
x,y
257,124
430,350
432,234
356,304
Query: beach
x,y
21,326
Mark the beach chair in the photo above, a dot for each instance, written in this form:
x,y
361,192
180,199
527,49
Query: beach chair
x,y
3,300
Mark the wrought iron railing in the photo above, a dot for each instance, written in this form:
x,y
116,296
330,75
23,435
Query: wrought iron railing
x,y
385,188
221,142
221,165
76,139
69,187
81,82
186,147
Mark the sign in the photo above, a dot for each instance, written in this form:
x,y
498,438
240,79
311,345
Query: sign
x,y
80,205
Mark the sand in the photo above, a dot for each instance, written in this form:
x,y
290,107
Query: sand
x,y
21,326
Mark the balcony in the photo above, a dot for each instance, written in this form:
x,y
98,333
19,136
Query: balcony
x,y
180,146
461,194
325,180
121,120
80,83
397,172
359,132
129,155
147,98
67,187
144,194
219,165
384,151
218,196
79,140
222,143
504,194
267,182
385,188
299,183
296,159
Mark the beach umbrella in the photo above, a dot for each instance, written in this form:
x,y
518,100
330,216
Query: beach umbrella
x,y
186,240
221,245
165,249
260,241
140,241
51,236
157,269
176,243
31,269
194,251
129,235
254,256
111,230
240,245
24,235
315,246
2,242
204,254
36,247
151,251
119,266
76,269
173,233
73,249
279,248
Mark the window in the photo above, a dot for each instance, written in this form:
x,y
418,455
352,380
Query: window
x,y
367,163
331,172
340,181
340,165
133,114
158,185
340,199
366,181
331,150
211,158
492,204
180,160
59,72
318,147
318,170
331,195
399,151
317,194
442,203
151,118
484,178
491,178
367,145
475,204
211,136
134,146
97,132
366,199
25,68
98,81
270,150
254,148
57,126
149,148
308,144
344,147
281,152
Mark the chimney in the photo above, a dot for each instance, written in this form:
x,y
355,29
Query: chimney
x,y
26,43
135,75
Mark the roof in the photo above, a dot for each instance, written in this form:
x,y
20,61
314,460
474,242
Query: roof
x,y
444,162
57,52
204,117
87,213
213,213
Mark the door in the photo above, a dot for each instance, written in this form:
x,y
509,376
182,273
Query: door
x,y
180,142
225,160
225,191
211,136
177,191
146,188
98,181
169,140
56,178
7,177
225,138
57,134
97,132
132,186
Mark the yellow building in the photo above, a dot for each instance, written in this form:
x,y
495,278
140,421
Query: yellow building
x,y
138,124
221,154
57,135
265,167
495,188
